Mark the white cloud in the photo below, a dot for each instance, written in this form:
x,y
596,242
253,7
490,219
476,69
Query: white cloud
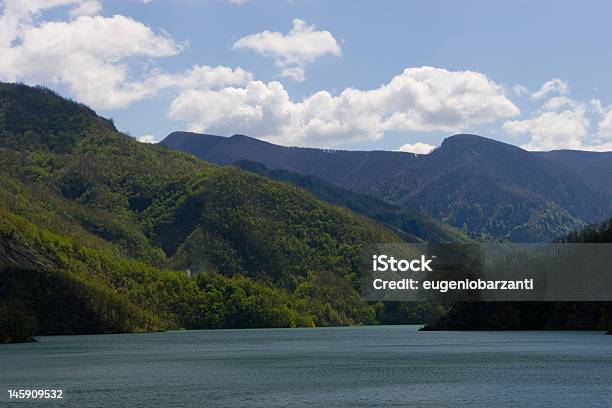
x,y
603,147
558,102
87,54
238,2
90,54
200,77
255,109
292,52
563,123
555,85
597,106
86,8
418,148
419,99
147,139
550,130
604,126
17,15
520,90
296,73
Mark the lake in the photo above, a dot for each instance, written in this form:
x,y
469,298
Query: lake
x,y
376,366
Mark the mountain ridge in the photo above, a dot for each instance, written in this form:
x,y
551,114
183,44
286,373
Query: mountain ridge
x,y
489,187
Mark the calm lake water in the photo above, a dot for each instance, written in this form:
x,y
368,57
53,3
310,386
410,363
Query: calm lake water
x,y
382,366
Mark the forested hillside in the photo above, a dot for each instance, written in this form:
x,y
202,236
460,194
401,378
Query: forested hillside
x,y
410,225
100,233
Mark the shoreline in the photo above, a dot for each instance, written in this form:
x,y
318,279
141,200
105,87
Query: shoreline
x,y
418,328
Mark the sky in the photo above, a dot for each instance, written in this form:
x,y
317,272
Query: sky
x,y
358,75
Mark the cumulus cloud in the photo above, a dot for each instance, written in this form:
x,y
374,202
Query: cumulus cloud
x,y
86,54
90,54
418,148
563,123
86,8
558,102
293,51
550,130
418,99
555,85
199,77
520,90
604,126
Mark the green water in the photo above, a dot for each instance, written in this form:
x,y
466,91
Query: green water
x,y
383,366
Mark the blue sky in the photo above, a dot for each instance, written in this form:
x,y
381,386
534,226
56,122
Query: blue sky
x,y
351,74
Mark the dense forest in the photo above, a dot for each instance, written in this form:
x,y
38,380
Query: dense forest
x,y
410,225
101,234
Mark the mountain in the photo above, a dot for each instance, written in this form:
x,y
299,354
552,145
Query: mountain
x,y
471,182
411,226
100,233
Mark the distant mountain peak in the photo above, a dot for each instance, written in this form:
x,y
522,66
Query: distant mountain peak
x,y
241,137
471,139
467,136
474,144
182,133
